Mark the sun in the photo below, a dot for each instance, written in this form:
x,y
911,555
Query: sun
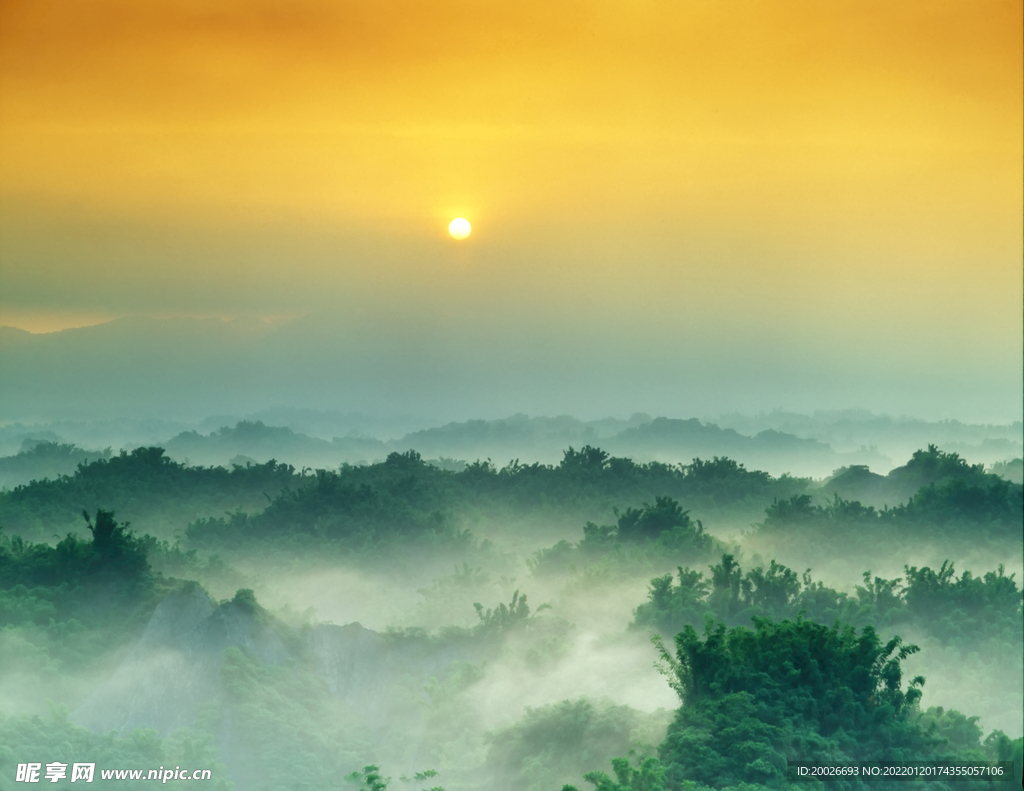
x,y
459,228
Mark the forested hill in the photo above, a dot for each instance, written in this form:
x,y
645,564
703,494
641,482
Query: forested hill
x,y
307,438
534,438
808,677
154,493
541,439
39,459
770,665
930,467
162,497
950,500
158,495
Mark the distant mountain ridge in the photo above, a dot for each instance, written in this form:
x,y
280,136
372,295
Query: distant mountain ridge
x,y
853,428
45,450
528,439
184,369
520,437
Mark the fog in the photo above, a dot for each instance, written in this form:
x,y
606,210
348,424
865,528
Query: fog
x,y
492,623
700,456
426,369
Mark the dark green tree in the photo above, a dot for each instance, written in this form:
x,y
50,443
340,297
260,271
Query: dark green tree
x,y
789,690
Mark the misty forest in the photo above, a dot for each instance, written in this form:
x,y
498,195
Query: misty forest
x,y
612,612
468,395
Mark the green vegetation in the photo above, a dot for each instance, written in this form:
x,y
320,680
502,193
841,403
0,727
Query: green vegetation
x,y
769,664
156,494
640,539
947,497
65,607
754,699
370,779
957,611
161,496
54,739
959,513
38,460
1012,470
564,740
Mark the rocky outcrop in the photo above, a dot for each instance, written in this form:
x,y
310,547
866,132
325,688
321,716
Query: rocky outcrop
x,y
174,667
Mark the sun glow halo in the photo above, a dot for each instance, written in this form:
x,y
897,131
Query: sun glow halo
x,y
459,228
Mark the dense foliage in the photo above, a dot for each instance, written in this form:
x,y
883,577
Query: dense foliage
x,y
154,493
769,664
789,690
55,739
641,536
950,499
562,741
44,459
1012,470
161,496
64,606
956,610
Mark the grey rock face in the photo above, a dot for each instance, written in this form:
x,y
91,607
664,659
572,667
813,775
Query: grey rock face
x,y
349,658
174,667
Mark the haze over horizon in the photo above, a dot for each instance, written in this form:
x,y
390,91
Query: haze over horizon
x,y
676,209
190,369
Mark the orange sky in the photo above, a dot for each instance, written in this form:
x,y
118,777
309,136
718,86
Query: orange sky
x,y
849,171
371,112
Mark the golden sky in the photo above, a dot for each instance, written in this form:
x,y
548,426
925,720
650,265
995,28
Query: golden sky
x,y
831,174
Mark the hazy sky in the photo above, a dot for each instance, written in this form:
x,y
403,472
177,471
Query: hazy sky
x,y
808,186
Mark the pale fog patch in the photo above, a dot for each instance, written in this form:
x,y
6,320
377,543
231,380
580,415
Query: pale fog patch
x,y
339,595
527,534
730,532
152,688
620,668
987,683
595,605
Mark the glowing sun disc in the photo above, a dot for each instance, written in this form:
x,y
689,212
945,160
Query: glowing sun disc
x,y
459,228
